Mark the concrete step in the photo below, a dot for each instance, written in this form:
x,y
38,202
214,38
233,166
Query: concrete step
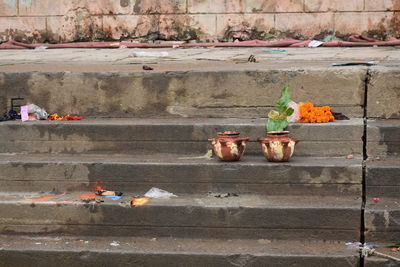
x,y
96,251
383,178
382,220
379,261
383,138
138,173
175,88
182,136
193,216
383,93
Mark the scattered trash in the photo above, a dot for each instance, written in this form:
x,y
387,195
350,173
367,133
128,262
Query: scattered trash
x,y
10,116
359,244
366,251
44,198
42,47
139,201
86,242
108,193
114,244
56,117
155,192
339,116
153,239
88,197
176,46
315,43
264,241
150,54
145,67
350,156
114,197
275,50
24,113
33,112
208,155
370,63
252,59
222,195
376,199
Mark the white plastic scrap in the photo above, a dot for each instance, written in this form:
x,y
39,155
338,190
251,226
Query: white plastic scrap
x,y
150,54
40,113
42,47
155,192
315,43
114,244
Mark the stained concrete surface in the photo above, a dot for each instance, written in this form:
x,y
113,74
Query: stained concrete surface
x,y
199,81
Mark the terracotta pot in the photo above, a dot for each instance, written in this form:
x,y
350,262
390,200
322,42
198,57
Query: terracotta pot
x,y
278,146
229,146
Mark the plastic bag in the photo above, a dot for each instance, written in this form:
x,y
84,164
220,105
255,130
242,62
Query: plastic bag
x,y
39,112
150,54
155,192
296,114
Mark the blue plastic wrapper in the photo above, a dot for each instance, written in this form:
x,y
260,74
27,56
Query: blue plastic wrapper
x,y
114,197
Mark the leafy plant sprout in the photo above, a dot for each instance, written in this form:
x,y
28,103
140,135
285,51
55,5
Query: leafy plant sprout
x,y
277,119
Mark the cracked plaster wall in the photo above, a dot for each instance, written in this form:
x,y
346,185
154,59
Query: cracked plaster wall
x,y
201,20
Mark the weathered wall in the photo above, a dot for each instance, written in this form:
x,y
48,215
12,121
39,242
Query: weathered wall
x,y
84,20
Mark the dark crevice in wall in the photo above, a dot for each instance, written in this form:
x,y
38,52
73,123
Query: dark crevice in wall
x,y
365,157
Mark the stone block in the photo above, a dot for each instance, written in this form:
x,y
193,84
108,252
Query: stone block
x,y
261,6
182,27
337,5
159,6
376,23
215,6
382,5
132,26
8,8
44,7
137,93
106,7
62,7
382,178
384,94
77,25
306,25
24,29
244,27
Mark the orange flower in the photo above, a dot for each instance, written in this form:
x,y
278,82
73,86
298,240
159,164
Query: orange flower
x,y
311,114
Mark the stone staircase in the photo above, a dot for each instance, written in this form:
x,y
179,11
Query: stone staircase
x,y
299,213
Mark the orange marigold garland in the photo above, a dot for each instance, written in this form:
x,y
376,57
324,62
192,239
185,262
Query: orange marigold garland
x,y
309,113
56,117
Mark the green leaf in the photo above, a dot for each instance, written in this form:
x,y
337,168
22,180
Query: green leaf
x,y
276,125
284,100
289,112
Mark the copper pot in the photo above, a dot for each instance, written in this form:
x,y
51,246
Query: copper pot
x,y
278,146
229,146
